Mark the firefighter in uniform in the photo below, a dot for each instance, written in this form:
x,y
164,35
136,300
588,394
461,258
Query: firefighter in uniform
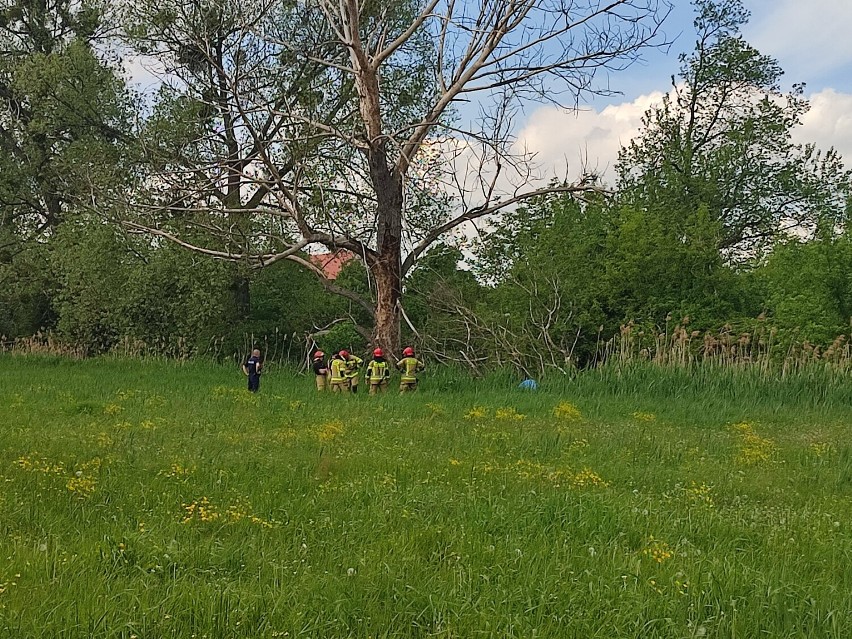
x,y
320,370
337,374
410,366
353,362
378,372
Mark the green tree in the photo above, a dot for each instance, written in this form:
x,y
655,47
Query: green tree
x,y
808,287
63,118
26,289
722,140
568,274
548,268
661,262
63,113
342,113
435,292
114,289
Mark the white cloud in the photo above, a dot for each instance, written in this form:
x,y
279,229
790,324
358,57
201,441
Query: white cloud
x,y
595,137
809,37
583,140
143,73
829,123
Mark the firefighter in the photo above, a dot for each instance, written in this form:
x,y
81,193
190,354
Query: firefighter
x,y
353,362
378,372
320,370
338,381
410,366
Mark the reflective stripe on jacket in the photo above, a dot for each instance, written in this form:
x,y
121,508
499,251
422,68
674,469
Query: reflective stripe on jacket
x,y
378,371
409,367
352,365
338,370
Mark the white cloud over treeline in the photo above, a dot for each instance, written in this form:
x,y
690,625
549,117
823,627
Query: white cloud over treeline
x,y
829,123
591,139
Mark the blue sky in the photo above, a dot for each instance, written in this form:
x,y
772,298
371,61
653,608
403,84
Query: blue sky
x,y
811,39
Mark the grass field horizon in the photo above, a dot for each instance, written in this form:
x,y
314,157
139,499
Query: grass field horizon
x,y
157,499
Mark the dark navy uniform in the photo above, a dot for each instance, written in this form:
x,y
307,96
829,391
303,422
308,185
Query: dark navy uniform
x,y
252,366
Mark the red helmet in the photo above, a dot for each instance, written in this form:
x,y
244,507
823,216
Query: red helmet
x,y
319,354
344,354
408,352
378,353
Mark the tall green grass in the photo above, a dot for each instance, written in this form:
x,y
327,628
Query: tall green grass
x,y
162,500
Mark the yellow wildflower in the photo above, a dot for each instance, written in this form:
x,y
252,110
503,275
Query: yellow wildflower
x,y
330,431
658,550
567,411
155,401
201,510
283,435
204,511
39,465
644,417
477,412
92,464
176,471
80,485
112,409
578,444
820,449
700,493
528,469
754,449
509,414
587,477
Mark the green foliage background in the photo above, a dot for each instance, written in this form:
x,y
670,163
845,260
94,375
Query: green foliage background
x,y
692,235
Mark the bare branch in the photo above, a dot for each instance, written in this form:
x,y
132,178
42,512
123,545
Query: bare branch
x,y
487,209
405,35
331,287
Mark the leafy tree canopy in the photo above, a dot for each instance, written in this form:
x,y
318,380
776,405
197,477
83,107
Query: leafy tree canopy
x,y
722,139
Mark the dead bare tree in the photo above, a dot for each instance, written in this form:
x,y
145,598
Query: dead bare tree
x,y
349,123
470,333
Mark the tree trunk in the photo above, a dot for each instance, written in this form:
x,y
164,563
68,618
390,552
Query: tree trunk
x,y
386,332
241,294
387,267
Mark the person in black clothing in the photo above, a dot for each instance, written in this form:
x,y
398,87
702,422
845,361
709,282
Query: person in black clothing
x,y
252,369
320,370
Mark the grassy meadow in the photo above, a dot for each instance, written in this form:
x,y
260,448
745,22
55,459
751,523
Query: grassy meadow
x,y
147,500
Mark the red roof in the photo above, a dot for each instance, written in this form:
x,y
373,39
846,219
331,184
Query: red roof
x,y
332,263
